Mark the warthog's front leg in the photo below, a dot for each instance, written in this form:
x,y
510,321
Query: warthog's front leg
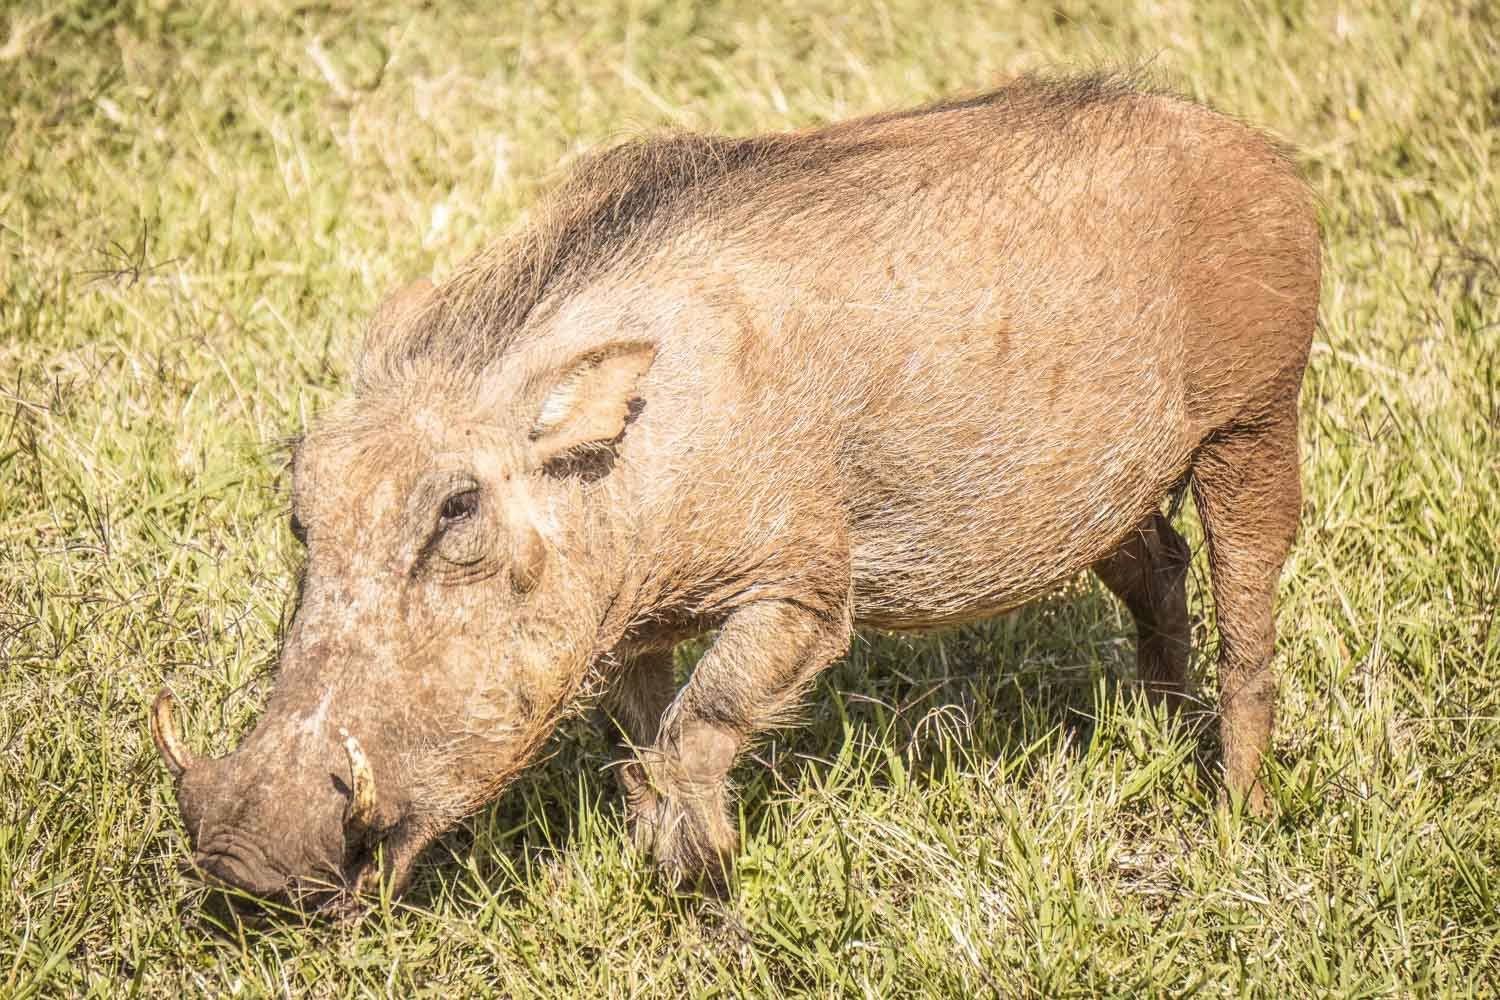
x,y
750,679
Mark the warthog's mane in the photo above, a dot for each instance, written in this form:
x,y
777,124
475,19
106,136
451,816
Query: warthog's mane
x,y
619,205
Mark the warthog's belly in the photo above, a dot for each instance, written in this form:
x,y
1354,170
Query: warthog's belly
x,y
913,569
989,491
1012,534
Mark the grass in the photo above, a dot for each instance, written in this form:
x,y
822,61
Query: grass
x,y
199,205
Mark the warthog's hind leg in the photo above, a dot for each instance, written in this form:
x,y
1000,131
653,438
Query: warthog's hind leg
x,y
1148,572
1249,493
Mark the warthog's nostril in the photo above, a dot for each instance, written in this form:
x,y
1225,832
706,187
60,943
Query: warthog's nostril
x,y
251,889
237,862
232,870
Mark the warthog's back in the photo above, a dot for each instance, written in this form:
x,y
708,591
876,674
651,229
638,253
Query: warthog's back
x,y
1021,315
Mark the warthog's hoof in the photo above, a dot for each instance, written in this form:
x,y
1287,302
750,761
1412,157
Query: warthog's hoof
x,y
1253,800
690,840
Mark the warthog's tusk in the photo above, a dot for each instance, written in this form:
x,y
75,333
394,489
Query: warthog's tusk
x,y
360,814
174,753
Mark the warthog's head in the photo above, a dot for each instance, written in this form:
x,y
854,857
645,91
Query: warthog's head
x,y
457,577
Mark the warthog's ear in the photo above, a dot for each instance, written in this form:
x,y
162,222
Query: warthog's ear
x,y
586,401
392,316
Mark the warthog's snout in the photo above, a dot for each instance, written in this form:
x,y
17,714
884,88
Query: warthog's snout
x,y
252,837
233,860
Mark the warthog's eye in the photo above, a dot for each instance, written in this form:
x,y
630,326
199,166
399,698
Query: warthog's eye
x,y
447,511
459,507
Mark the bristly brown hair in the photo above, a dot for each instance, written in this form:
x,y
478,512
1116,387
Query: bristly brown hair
x,y
619,203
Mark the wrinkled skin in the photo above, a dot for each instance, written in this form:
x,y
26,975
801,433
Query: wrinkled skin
x,y
903,372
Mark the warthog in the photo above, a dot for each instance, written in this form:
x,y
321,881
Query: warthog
x,y
903,372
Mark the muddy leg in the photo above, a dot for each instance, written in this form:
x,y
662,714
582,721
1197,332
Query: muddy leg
x,y
630,713
1249,492
750,679
1149,574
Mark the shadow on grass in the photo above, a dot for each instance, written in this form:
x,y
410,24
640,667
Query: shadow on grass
x,y
996,688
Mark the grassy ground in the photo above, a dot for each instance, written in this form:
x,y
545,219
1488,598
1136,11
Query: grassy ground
x,y
199,204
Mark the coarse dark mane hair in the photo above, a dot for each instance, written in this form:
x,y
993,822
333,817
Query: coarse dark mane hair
x,y
621,202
